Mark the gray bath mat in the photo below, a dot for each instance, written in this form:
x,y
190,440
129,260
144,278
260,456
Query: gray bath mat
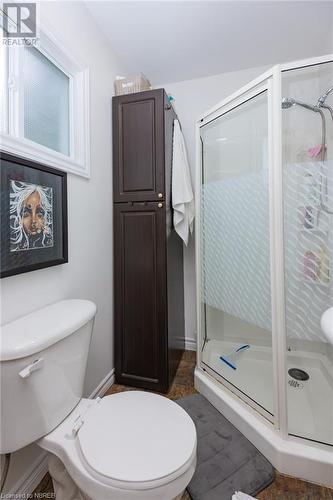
x,y
227,461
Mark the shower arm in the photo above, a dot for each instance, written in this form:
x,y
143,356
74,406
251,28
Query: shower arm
x,y
322,104
318,109
323,205
323,134
288,102
326,106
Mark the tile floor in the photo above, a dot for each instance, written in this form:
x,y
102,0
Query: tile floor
x,y
283,488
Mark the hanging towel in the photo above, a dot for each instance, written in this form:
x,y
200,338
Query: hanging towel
x,y
182,193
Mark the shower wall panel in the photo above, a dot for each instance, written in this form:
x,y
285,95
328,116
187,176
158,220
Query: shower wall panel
x,y
307,147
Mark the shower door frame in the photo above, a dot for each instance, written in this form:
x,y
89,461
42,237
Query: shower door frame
x,y
272,82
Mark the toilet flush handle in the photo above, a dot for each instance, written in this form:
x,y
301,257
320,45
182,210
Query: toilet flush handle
x,y
35,365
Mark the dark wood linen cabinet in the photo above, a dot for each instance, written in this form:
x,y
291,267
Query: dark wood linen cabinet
x,y
148,254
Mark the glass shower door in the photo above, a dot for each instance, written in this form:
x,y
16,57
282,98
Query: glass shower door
x,y
235,252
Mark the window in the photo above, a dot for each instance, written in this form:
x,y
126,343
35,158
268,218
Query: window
x,y
45,106
46,102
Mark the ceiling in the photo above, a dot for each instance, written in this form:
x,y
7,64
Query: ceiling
x,y
171,41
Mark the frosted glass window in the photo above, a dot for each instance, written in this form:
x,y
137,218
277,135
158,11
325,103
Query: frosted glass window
x,y
46,102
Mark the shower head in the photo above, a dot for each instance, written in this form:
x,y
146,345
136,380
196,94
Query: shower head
x,y
288,102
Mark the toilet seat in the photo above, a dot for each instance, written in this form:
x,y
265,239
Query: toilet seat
x,y
133,444
154,438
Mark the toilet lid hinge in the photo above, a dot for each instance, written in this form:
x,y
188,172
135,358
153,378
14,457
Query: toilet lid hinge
x,y
80,419
77,426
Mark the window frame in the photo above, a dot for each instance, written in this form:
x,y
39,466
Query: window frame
x,y
12,104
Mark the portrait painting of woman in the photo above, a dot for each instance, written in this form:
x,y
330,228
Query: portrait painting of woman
x,y
31,216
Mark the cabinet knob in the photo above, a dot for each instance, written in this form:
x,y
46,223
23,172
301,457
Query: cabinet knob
x,y
160,195
160,205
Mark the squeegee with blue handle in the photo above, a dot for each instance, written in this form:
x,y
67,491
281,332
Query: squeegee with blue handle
x,y
230,359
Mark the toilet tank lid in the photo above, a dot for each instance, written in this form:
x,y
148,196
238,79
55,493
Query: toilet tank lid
x,y
40,329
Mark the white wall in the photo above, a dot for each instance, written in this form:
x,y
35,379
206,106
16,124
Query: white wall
x,y
89,271
192,99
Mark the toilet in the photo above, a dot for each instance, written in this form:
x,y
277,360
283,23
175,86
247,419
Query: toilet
x,y
130,445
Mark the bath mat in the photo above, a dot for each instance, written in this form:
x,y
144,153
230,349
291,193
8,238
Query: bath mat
x,y
227,461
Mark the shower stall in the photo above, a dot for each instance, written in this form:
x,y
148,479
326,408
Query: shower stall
x,y
264,259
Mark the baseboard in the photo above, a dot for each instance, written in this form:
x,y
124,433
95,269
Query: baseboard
x,y
39,468
190,344
31,478
106,383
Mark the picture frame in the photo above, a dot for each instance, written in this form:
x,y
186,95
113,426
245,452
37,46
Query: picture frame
x,y
34,225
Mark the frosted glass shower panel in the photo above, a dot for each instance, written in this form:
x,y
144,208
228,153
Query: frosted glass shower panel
x,y
308,249
235,236
235,292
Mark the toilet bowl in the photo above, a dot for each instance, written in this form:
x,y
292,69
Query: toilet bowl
x,y
130,445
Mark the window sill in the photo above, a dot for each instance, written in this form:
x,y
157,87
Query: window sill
x,y
33,151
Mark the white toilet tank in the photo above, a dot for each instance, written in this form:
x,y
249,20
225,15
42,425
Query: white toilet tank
x,y
43,359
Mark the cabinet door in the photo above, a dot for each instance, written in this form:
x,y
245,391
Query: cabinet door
x,y
138,146
140,295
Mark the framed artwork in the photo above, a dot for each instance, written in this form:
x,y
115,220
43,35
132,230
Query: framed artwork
x,y
33,216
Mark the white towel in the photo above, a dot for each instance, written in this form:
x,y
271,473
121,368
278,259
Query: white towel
x,y
182,193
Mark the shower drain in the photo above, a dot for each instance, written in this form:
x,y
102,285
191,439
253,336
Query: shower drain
x,y
295,384
298,374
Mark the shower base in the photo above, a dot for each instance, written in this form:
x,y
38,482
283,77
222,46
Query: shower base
x,y
253,375
292,456
310,402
